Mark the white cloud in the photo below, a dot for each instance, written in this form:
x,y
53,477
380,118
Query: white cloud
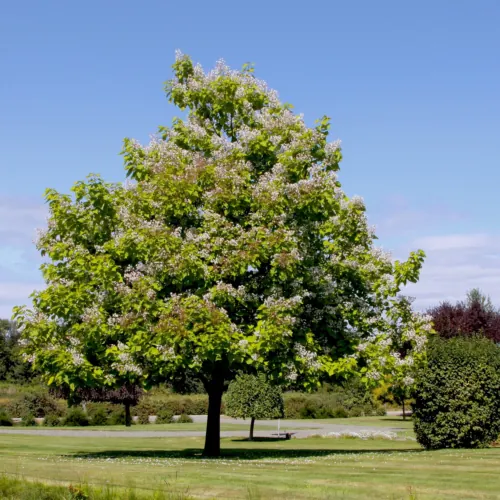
x,y
396,217
19,219
456,263
455,242
15,294
19,262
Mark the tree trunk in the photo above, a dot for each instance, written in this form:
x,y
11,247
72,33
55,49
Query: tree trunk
x,y
212,436
404,410
252,423
128,418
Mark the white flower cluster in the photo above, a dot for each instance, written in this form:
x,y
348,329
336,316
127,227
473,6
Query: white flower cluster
x,y
291,373
91,314
167,352
283,303
228,289
126,364
373,374
76,357
29,358
131,275
243,344
309,358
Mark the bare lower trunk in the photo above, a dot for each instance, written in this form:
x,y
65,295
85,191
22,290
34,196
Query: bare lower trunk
x,y
215,390
128,418
252,423
404,410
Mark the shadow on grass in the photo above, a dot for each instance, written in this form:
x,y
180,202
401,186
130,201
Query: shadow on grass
x,y
233,454
258,440
396,419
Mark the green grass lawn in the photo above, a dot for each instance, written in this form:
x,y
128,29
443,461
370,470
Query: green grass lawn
x,y
387,421
153,427
320,468
382,422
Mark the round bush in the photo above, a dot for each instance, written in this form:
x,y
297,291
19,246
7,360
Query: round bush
x,y
184,419
340,412
5,420
356,411
164,416
51,420
38,403
28,420
76,417
145,408
252,396
100,417
294,403
457,396
117,417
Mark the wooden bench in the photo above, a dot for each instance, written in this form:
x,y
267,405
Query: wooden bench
x,y
286,435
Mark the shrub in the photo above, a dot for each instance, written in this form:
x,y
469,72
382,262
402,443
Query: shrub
x,y
340,413
5,420
92,408
117,417
333,401
294,402
174,404
51,420
457,403
145,408
184,419
76,417
28,420
357,411
196,404
164,416
38,403
100,417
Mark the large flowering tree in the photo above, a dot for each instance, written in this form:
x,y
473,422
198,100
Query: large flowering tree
x,y
232,248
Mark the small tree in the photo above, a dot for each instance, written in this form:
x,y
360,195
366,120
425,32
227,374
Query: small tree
x,y
457,403
394,391
251,396
127,395
476,296
12,367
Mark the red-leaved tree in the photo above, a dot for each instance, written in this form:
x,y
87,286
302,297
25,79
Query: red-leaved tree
x,y
476,315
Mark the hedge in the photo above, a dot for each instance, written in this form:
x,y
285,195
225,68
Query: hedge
x,y
457,396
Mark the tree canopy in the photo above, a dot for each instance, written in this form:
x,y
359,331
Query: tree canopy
x,y
474,316
231,248
251,396
12,367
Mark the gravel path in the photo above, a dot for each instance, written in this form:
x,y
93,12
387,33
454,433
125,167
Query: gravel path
x,y
299,428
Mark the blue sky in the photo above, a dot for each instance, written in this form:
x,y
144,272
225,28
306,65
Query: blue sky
x,y
412,89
